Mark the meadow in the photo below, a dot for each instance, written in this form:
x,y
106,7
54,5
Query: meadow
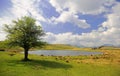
x,y
108,64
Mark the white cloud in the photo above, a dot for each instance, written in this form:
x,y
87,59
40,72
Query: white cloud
x,y
27,7
107,33
73,39
72,18
93,39
4,20
82,6
21,8
18,9
2,36
69,10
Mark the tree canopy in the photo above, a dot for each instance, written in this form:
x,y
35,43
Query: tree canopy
x,y
24,33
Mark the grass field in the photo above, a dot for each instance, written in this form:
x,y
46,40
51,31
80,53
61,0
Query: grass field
x,y
107,64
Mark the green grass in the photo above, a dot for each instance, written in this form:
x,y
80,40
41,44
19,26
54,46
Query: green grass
x,y
46,47
50,66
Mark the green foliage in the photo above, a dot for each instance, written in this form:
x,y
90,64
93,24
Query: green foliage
x,y
3,44
24,33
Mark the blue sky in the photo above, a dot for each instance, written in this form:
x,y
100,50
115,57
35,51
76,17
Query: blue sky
x,y
76,22
49,11
4,4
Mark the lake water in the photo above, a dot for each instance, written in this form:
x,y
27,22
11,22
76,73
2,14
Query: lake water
x,y
63,53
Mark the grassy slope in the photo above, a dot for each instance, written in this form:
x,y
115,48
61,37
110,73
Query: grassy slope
x,y
61,47
46,47
57,47
104,65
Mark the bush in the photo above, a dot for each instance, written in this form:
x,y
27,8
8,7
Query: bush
x,y
2,50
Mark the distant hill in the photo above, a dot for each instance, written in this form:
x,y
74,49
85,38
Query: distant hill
x,y
60,47
70,47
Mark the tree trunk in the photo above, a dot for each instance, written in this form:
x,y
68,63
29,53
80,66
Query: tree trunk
x,y
26,54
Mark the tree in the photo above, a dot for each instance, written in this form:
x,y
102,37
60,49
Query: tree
x,y
24,33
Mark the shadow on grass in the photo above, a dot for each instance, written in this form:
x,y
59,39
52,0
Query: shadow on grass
x,y
41,63
52,64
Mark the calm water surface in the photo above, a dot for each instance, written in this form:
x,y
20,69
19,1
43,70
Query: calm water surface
x,y
63,52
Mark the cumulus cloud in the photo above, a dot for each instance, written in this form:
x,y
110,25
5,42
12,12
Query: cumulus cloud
x,y
88,40
68,10
107,33
72,18
82,6
26,7
21,8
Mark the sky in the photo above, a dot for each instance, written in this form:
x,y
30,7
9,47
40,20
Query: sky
x,y
88,23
